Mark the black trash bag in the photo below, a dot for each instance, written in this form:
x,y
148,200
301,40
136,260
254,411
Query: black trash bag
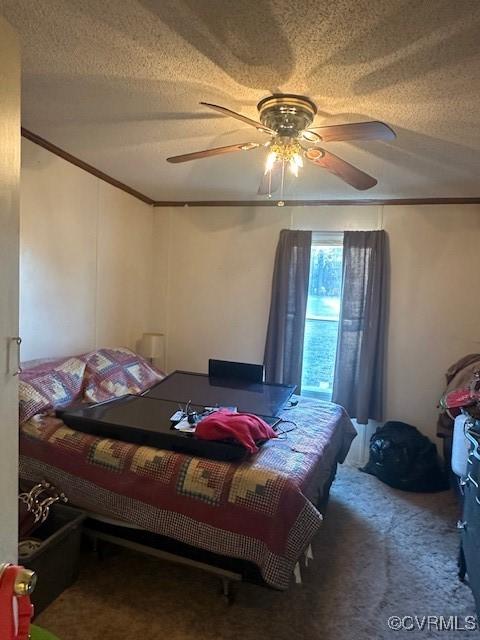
x,y
405,459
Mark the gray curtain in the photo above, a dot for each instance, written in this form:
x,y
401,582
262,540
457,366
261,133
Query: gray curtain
x,y
359,367
286,323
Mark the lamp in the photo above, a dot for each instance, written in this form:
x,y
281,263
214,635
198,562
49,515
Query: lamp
x,y
152,346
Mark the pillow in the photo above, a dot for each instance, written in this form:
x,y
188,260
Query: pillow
x,y
94,377
116,372
50,385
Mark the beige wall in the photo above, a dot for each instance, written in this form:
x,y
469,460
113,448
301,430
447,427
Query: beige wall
x,y
215,266
435,307
86,260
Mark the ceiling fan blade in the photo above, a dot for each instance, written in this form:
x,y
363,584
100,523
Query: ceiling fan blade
x,y
355,131
271,180
228,112
341,169
206,153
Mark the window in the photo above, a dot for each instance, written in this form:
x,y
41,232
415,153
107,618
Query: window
x,y
323,312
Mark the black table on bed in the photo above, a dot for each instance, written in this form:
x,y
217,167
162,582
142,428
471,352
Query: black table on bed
x,y
263,399
148,419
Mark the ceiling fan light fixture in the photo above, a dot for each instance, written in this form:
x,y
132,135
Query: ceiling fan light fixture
x,y
285,148
271,159
295,163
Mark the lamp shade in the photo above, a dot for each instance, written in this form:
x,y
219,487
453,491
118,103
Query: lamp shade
x,y
152,346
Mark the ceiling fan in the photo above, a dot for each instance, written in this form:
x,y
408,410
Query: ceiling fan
x,y
286,118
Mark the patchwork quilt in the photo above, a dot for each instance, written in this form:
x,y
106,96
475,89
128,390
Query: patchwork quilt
x,y
261,510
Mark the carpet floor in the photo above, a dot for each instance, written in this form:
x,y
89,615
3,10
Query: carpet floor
x,y
380,553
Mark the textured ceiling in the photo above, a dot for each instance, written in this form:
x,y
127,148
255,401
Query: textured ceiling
x,y
118,82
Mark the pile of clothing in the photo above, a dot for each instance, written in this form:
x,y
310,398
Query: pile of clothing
x,y
462,392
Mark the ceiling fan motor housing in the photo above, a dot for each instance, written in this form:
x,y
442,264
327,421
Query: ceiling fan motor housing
x,y
287,114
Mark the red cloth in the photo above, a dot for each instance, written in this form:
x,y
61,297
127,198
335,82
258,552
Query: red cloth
x,y
245,428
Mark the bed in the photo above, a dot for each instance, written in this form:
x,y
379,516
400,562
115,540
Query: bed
x,y
257,517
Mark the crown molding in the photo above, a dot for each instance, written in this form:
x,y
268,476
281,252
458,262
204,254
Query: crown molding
x,y
33,137
315,203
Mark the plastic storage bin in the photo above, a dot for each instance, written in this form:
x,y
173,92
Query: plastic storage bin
x,y
56,561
